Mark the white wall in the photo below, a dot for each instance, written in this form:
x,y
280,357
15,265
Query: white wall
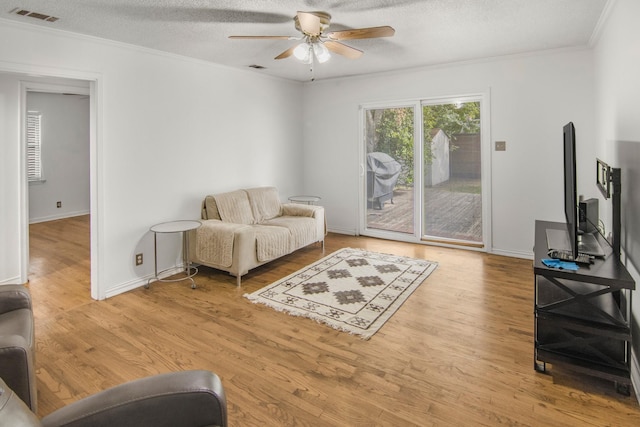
x,y
170,130
174,129
617,65
65,156
532,97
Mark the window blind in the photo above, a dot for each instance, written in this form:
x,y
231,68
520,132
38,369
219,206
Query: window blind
x,y
34,146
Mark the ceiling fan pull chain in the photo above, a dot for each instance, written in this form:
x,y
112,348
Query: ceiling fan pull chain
x,y
311,68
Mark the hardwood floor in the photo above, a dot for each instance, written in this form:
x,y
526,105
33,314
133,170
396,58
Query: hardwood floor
x,y
459,352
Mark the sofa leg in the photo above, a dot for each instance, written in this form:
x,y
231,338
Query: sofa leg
x,y
238,279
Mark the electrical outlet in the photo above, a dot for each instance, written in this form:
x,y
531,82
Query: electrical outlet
x,y
58,204
138,259
501,145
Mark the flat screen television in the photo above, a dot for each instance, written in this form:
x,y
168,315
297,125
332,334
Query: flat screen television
x,y
570,188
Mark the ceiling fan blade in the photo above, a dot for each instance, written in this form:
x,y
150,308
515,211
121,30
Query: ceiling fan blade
x,y
343,49
287,53
309,23
362,33
263,37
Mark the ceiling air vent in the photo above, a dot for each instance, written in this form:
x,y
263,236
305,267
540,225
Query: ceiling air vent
x,y
36,15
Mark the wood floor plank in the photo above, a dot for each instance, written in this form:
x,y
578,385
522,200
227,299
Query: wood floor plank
x,y
458,352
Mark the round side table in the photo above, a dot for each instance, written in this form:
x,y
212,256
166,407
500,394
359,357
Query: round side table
x,y
181,226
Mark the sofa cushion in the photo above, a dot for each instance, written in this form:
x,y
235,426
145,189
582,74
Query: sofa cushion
x,y
234,207
271,242
265,203
302,229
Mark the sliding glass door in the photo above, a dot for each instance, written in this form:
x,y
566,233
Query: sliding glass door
x,y
389,168
452,190
431,190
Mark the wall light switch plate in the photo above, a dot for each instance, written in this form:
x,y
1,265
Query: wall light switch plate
x,y
501,145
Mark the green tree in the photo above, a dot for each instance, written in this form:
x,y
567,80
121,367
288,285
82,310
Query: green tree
x,y
451,118
391,130
394,135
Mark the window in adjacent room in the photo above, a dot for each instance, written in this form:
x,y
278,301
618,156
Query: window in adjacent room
x,y
34,146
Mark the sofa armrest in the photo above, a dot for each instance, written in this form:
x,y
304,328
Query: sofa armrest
x,y
188,398
297,209
313,211
214,242
14,297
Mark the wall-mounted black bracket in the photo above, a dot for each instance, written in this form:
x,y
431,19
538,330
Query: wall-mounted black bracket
x,y
609,181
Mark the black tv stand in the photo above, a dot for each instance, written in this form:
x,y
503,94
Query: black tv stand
x,y
582,317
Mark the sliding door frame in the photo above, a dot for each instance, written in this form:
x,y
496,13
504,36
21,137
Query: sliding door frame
x,y
362,156
485,137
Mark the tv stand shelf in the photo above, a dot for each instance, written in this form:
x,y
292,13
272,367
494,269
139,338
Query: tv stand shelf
x,y
582,317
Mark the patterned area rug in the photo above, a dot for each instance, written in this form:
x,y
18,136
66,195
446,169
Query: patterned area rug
x,y
351,290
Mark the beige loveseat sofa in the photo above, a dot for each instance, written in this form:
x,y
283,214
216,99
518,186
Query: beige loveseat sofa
x,y
246,228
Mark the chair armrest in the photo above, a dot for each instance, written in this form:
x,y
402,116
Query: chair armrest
x,y
17,368
14,297
188,398
13,411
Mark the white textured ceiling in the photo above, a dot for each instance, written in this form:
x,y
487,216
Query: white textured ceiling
x,y
428,32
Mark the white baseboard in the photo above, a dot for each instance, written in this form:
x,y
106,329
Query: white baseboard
x,y
342,231
11,281
59,216
140,281
512,254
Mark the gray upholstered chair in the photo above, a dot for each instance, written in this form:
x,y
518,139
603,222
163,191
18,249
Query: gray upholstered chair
x,y
188,398
17,343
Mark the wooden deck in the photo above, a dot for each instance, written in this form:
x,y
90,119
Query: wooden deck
x,y
452,211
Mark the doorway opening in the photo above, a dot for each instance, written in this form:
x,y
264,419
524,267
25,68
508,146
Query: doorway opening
x,y
30,78
58,174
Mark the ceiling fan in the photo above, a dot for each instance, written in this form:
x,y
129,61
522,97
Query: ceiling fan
x,y
316,42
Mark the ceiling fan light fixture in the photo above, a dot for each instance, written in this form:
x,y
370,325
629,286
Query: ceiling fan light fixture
x,y
321,52
317,45
303,52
